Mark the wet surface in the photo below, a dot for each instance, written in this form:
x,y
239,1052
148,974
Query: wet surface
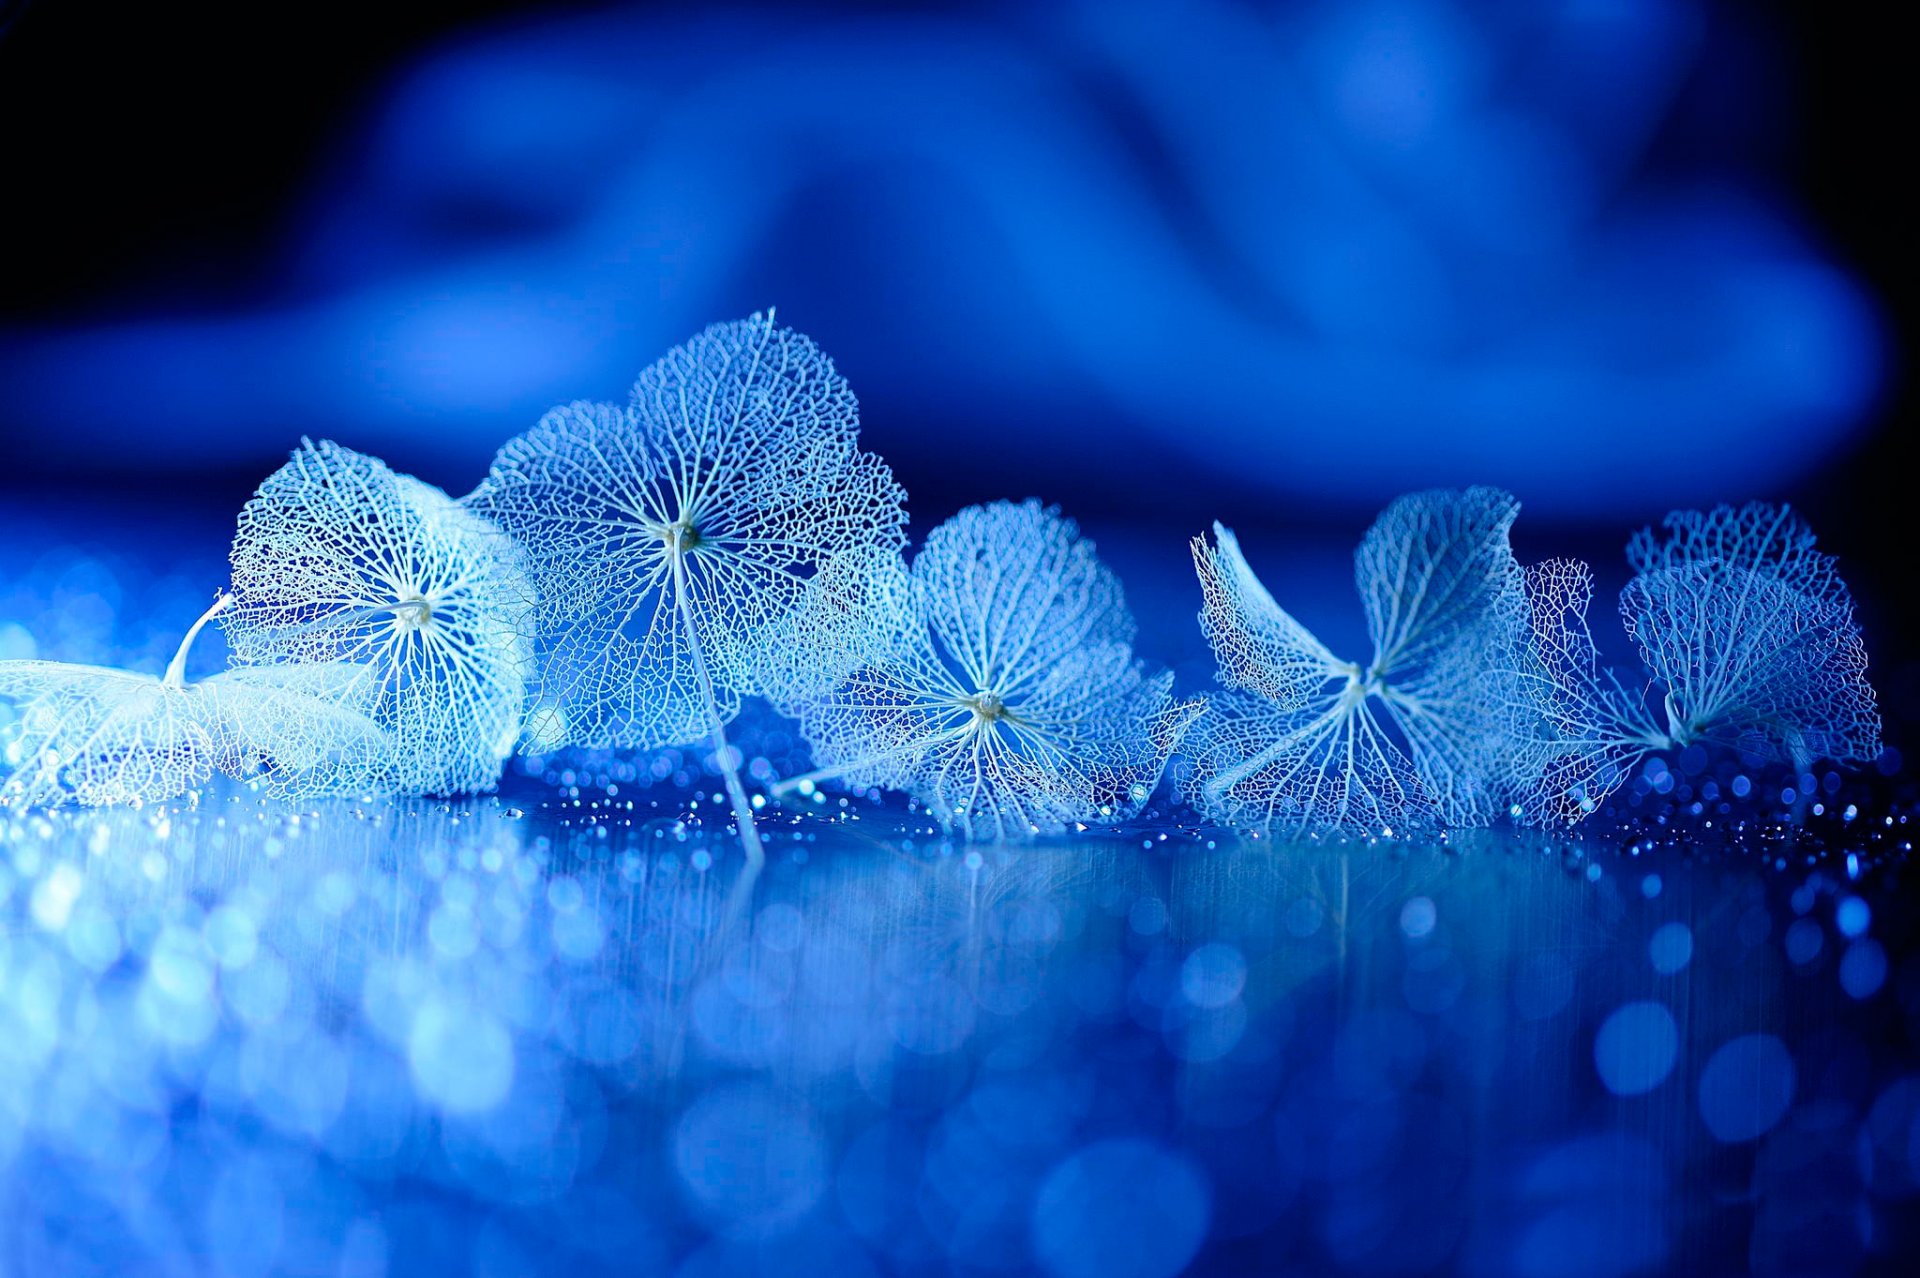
x,y
563,1031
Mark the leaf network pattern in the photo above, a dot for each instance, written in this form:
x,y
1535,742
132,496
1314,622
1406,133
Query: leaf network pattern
x,y
1748,640
1304,741
727,484
627,573
339,559
1011,703
671,537
95,735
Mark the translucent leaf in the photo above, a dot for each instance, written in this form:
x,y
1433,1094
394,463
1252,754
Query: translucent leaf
x,y
1444,596
1750,629
850,618
1749,642
1408,738
1329,767
1435,571
340,560
716,498
1584,728
1011,702
1749,662
1458,728
305,730
1260,648
93,735
1757,537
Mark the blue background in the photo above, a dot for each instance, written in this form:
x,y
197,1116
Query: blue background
x,y
1162,264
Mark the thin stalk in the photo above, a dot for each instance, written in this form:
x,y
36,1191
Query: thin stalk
x,y
176,676
354,616
781,789
742,810
787,785
1217,787
1679,731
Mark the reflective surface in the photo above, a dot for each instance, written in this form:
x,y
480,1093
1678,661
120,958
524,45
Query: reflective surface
x,y
560,1031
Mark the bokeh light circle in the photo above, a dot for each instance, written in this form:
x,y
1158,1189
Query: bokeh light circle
x,y
1635,1048
1670,948
1746,1087
1120,1209
748,1159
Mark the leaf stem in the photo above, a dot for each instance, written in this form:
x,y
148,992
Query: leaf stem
x,y
781,789
742,810
176,676
351,616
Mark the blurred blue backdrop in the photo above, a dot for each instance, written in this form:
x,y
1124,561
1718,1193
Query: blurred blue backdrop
x,y
1126,253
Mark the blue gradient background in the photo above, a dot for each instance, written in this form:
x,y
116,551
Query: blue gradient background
x,y
1309,254
1160,263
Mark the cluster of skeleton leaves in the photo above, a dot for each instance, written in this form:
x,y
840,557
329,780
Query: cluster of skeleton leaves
x,y
1484,696
627,574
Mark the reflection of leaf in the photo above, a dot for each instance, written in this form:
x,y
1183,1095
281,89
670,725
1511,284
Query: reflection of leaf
x,y
339,559
1748,635
1011,702
670,538
1311,742
91,735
